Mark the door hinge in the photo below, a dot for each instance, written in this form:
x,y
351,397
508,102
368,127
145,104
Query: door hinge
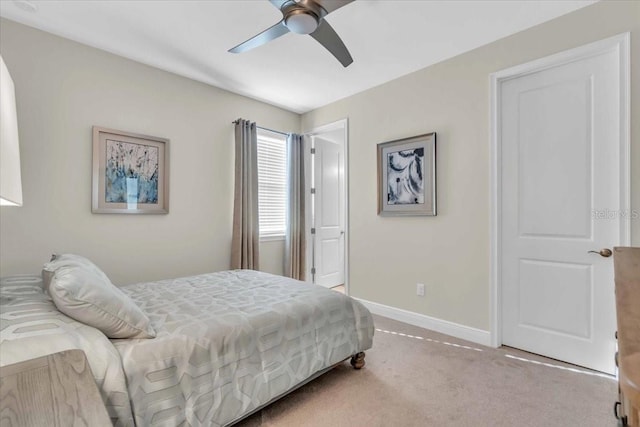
x,y
313,191
313,231
313,270
313,151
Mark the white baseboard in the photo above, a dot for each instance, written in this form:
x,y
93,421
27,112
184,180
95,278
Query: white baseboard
x,y
477,336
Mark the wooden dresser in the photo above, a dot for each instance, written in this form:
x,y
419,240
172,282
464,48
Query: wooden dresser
x,y
627,277
54,390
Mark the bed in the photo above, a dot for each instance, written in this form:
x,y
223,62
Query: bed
x,y
216,347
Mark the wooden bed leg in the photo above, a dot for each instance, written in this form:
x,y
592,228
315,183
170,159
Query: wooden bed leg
x,y
357,360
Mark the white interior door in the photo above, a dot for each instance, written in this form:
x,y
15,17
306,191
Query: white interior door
x,y
560,133
329,211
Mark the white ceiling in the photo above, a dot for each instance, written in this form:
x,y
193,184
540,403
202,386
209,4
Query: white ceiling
x,y
387,39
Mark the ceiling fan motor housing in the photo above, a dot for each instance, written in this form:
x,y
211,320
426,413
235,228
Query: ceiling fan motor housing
x,y
301,21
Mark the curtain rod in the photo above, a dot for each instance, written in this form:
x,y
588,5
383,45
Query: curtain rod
x,y
235,122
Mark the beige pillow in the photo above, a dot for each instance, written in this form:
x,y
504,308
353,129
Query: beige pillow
x,y
81,293
61,260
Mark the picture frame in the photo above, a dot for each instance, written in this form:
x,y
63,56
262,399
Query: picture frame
x,y
407,176
130,173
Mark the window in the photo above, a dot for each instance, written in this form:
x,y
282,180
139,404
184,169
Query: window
x,y
272,184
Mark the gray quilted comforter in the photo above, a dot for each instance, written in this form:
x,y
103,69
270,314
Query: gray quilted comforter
x,y
229,342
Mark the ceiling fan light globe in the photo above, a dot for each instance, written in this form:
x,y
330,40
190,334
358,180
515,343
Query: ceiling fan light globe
x,y
301,22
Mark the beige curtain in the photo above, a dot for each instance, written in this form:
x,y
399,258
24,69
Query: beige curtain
x,y
245,241
295,242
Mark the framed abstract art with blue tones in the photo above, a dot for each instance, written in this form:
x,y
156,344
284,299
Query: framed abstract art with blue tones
x,y
407,176
130,173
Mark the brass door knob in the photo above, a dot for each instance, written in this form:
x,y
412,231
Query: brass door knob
x,y
603,252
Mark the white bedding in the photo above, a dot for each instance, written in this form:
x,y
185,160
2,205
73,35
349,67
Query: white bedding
x,y
31,326
229,342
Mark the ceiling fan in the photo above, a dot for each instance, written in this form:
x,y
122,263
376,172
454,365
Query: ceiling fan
x,y
304,17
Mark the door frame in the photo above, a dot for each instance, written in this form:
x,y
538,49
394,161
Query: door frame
x,y
619,43
318,131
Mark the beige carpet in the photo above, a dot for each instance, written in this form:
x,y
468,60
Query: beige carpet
x,y
339,288
434,381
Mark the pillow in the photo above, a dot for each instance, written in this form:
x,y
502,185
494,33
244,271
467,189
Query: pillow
x,y
85,293
60,260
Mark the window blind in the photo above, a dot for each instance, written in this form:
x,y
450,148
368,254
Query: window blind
x,y
272,183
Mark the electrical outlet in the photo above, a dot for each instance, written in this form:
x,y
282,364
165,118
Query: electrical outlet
x,y
420,289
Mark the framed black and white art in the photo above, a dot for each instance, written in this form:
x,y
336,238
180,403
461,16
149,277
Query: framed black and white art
x,y
407,176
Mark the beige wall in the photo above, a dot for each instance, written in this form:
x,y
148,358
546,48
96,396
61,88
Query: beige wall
x,y
63,89
272,256
450,253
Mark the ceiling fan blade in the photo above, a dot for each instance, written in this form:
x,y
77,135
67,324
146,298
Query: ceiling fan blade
x,y
278,3
267,35
327,37
331,5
